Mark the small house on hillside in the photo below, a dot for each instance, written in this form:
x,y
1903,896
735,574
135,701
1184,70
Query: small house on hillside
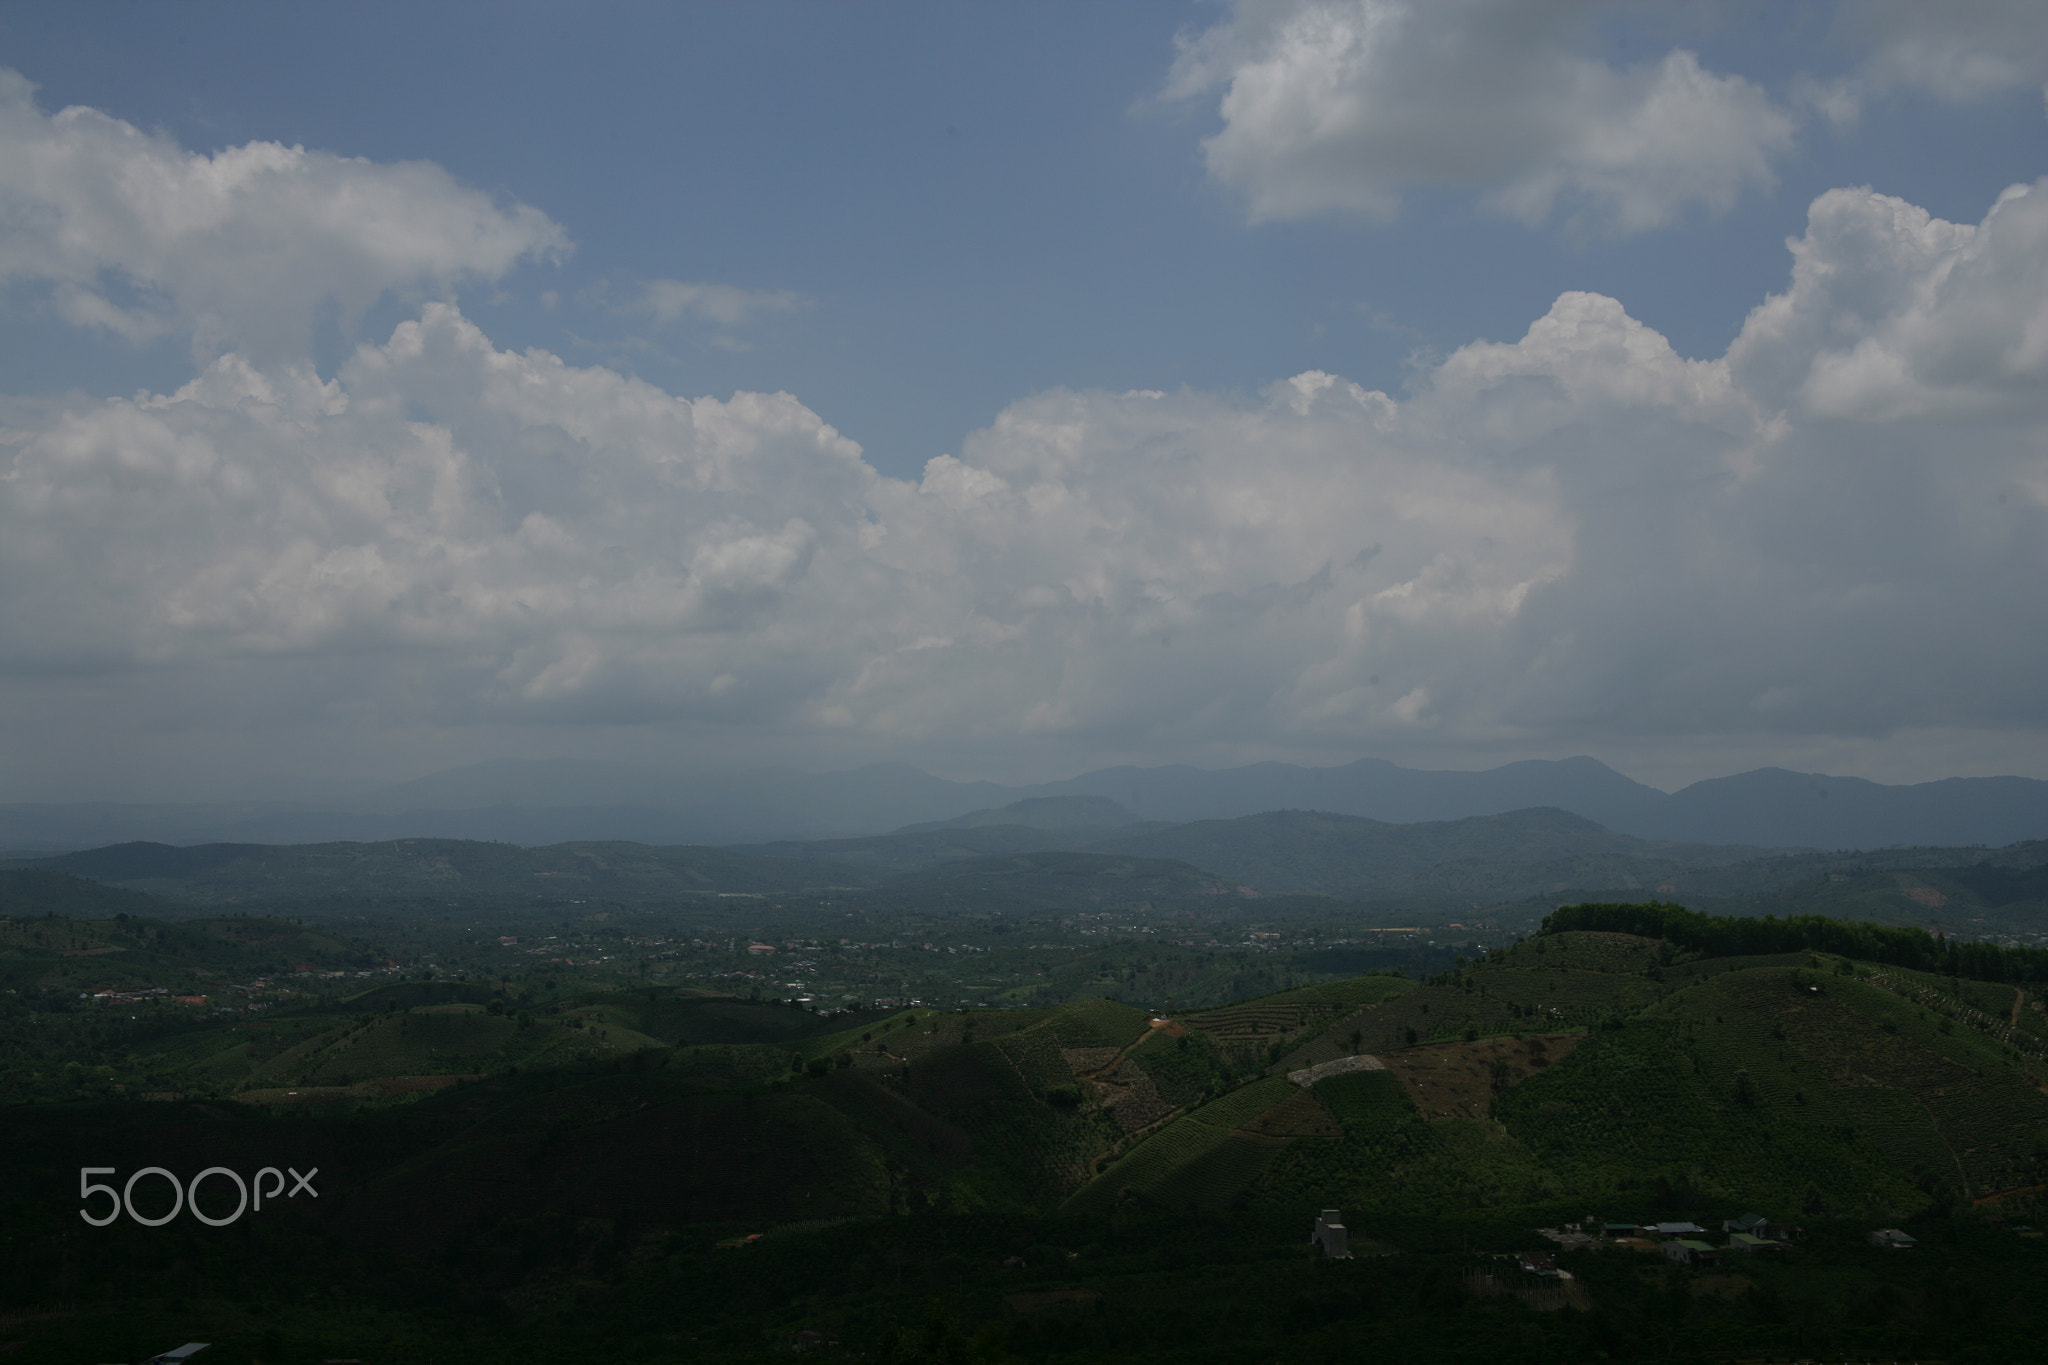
x,y
1676,1230
1330,1234
1893,1238
1756,1225
1749,1241
1693,1252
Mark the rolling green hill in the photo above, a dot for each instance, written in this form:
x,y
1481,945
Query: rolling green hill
x,y
1585,1063
1040,812
123,951
550,1161
1801,1080
395,1042
1500,857
1987,895
28,892
908,851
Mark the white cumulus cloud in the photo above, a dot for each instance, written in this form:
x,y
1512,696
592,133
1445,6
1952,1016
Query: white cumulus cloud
x,y
668,301
1343,105
236,249
1578,538
1958,50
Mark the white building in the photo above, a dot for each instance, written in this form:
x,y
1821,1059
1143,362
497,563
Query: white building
x,y
1329,1234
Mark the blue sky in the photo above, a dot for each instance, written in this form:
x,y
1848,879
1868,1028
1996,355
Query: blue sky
x,y
961,232
975,201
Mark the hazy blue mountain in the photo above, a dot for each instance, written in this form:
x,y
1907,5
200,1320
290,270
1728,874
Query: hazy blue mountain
x,y
557,800
891,855
35,828
1040,812
535,802
1773,806
507,824
1769,807
709,807
1059,878
1513,854
1371,787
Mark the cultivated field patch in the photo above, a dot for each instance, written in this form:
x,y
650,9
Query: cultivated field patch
x,y
1460,1080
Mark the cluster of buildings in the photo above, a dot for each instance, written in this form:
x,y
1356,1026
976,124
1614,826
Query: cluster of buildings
x,y
259,986
1686,1243
128,997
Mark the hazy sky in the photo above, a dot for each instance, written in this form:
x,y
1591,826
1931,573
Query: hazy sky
x,y
1015,389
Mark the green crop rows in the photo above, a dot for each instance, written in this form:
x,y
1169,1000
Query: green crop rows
x,y
1243,1105
1352,994
1149,1163
1216,1177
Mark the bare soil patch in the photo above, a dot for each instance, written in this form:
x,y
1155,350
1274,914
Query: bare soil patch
x,y
1129,1095
1087,1062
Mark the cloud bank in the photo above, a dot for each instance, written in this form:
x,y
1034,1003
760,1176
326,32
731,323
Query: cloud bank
x,y
1960,51
1342,105
1577,538
131,233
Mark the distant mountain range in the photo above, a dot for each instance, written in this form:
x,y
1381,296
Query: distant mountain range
x,y
559,800
984,863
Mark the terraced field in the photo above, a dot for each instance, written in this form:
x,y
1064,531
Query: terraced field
x,y
2010,1015
1354,993
1249,1033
